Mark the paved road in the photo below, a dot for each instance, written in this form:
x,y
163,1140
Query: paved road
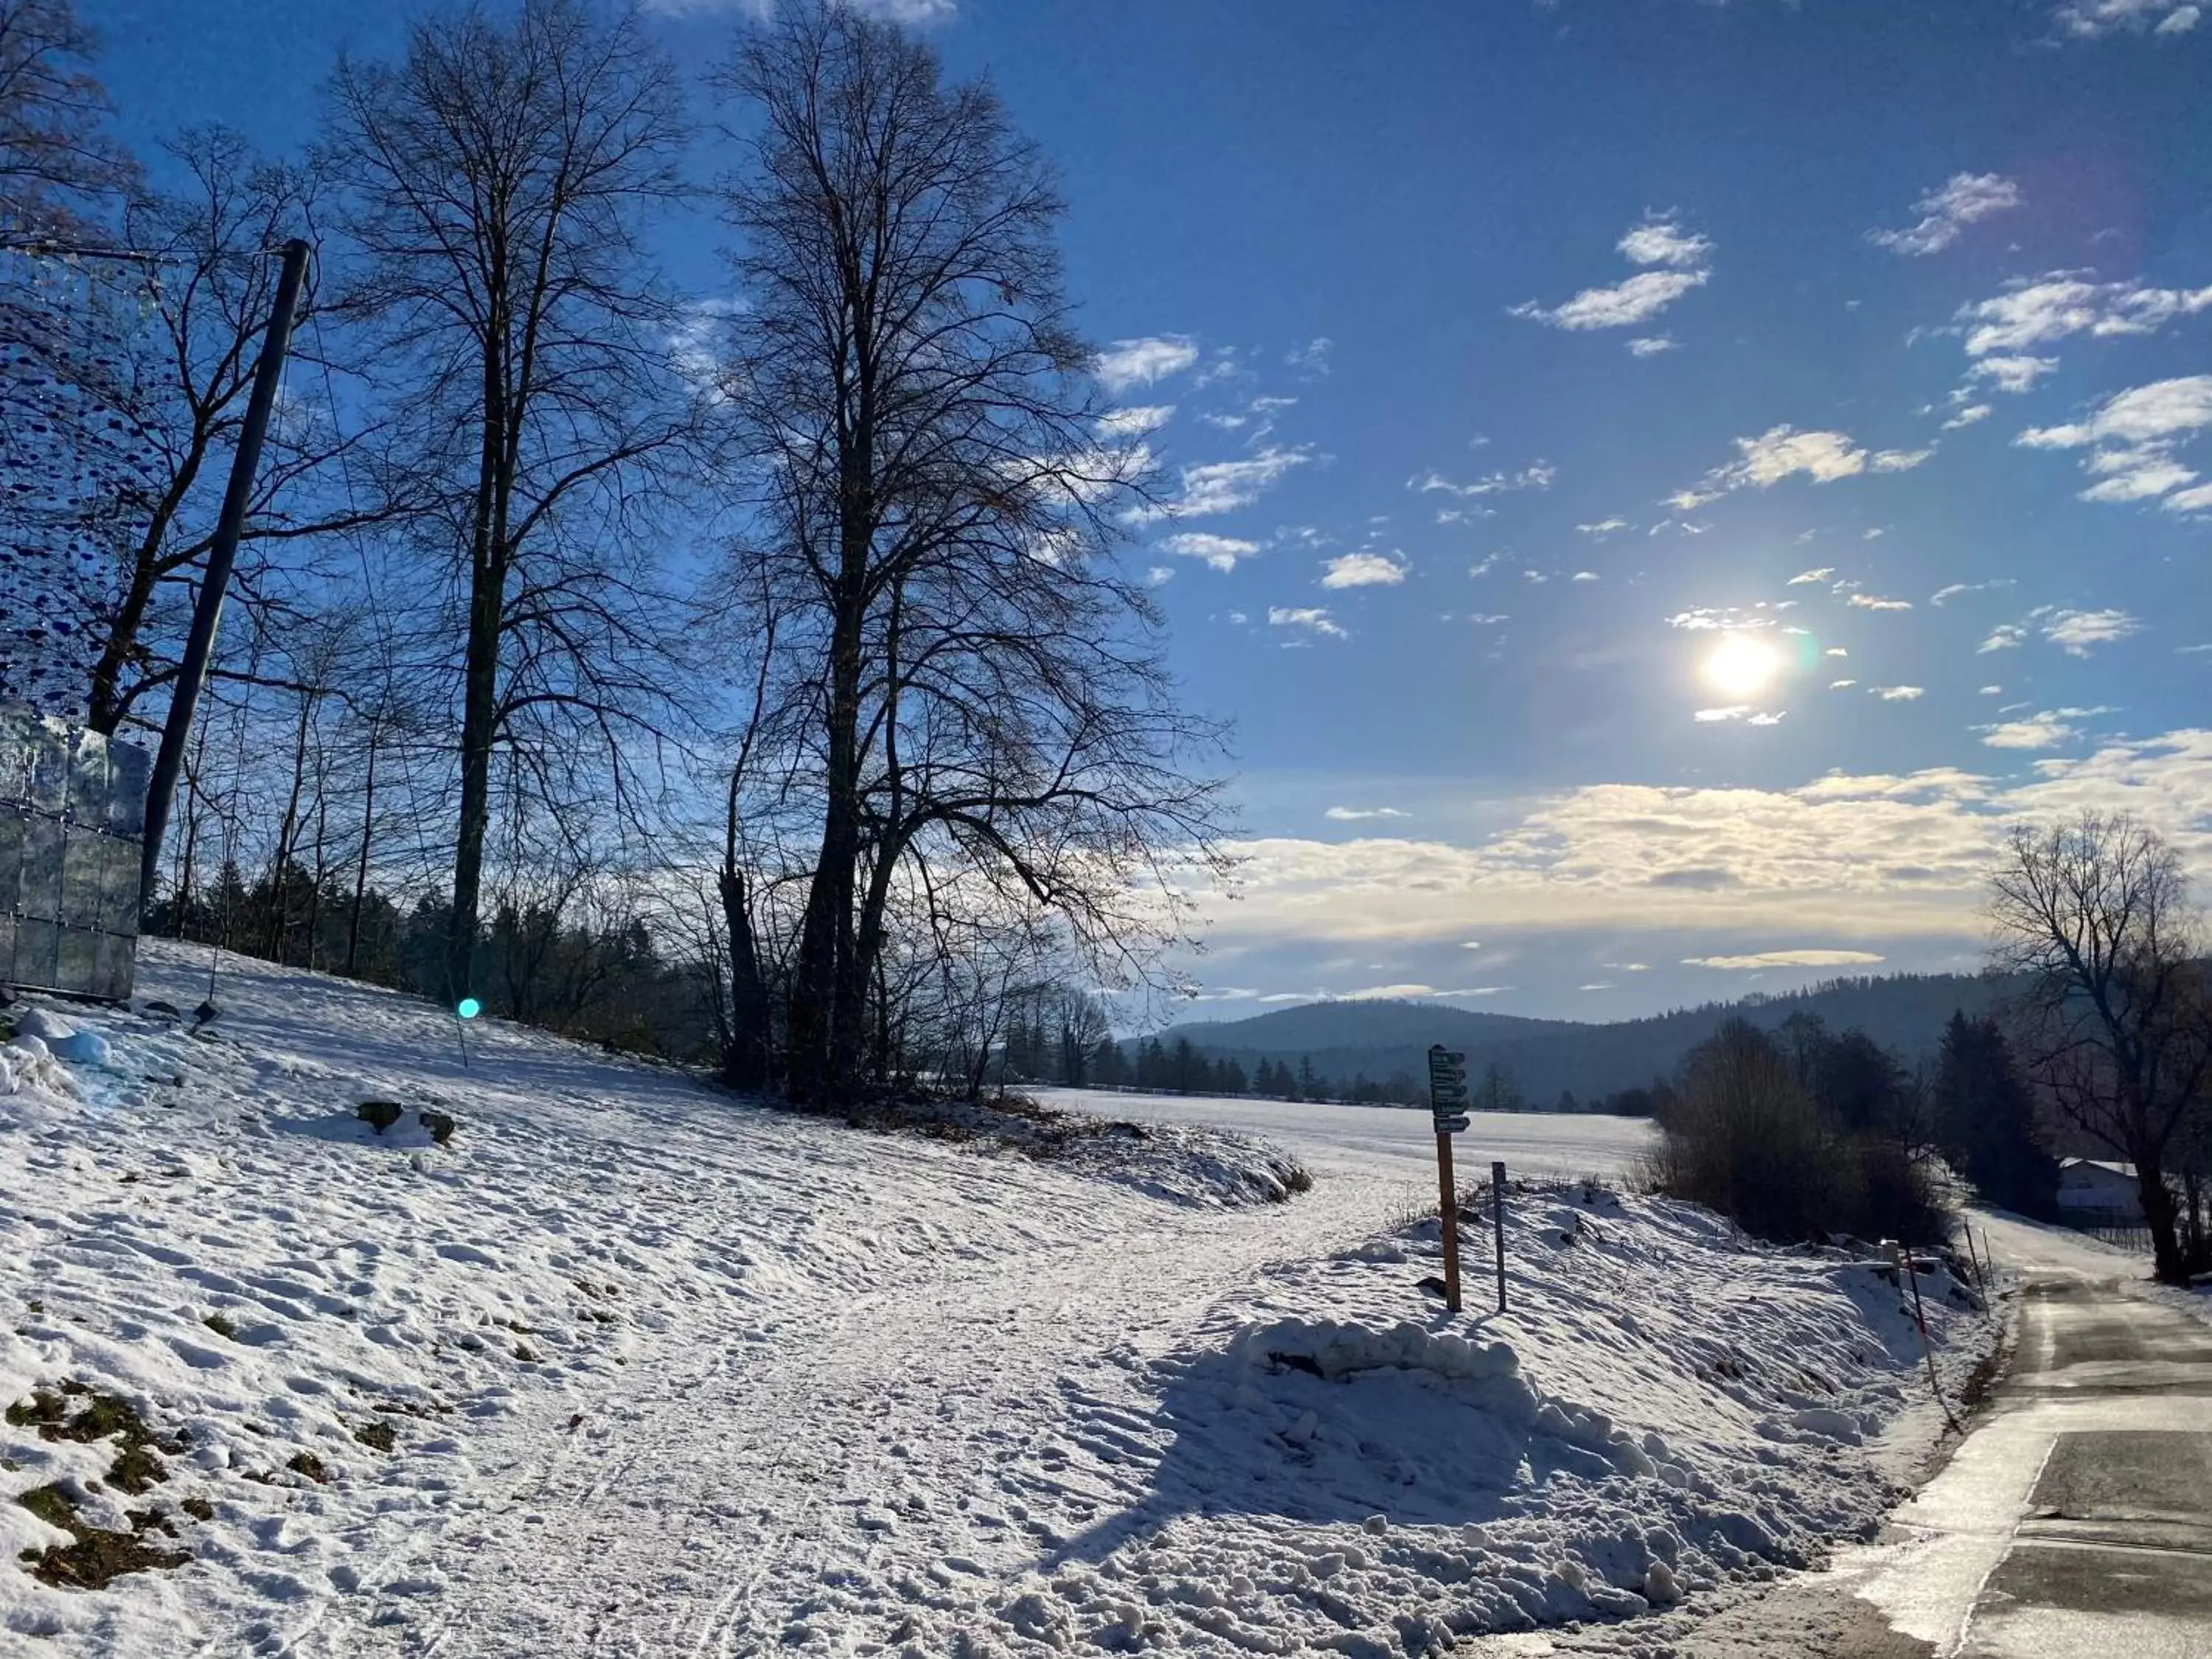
x,y
2077,1519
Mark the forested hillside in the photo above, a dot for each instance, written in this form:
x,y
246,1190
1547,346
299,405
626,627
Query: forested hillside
x,y
1544,1059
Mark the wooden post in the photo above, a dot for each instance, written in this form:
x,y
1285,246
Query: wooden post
x,y
1497,1209
1449,1200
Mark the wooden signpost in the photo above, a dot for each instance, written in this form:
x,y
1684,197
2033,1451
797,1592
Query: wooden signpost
x,y
1447,1107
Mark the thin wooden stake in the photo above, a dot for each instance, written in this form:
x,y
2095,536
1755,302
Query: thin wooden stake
x,y
1449,1200
1497,1208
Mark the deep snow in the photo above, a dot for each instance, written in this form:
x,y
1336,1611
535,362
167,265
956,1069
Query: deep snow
x,y
668,1373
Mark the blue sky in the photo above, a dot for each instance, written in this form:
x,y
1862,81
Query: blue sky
x,y
1660,482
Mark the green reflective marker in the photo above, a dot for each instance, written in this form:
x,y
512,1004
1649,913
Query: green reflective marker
x,y
469,1008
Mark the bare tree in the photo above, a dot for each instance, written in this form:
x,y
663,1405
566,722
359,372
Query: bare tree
x,y
2095,914
978,697
496,181
57,160
184,385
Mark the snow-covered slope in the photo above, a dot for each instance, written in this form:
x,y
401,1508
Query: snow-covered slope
x,y
661,1372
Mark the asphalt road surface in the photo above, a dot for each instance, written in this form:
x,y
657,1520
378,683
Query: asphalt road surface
x,y
2076,1521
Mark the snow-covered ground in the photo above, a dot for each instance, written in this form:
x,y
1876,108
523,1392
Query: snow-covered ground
x,y
1393,1142
668,1373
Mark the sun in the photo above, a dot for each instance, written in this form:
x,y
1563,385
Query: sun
x,y
1741,665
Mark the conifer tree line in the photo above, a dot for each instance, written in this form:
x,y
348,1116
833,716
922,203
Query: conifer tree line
x,y
752,671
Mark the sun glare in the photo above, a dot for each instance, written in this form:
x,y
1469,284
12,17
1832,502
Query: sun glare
x,y
1741,665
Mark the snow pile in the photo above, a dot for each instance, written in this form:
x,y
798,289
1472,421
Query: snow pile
x,y
1666,1407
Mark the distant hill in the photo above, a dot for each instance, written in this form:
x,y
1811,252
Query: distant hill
x,y
1904,1013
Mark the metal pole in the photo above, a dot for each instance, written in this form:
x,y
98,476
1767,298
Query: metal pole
x,y
1497,1208
1450,1210
183,703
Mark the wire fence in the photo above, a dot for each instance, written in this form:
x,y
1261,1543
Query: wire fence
x,y
72,820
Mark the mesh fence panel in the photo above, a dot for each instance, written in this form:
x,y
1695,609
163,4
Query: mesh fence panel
x,y
72,821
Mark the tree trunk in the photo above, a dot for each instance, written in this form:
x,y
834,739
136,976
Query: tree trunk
x,y
823,1026
361,869
745,1057
2162,1216
279,906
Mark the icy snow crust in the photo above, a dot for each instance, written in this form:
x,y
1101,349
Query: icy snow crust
x,y
668,1373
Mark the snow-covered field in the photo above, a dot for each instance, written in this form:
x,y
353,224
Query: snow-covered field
x,y
663,1372
1393,1142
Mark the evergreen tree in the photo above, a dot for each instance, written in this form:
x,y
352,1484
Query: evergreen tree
x,y
1309,1085
1109,1068
1231,1080
1985,1118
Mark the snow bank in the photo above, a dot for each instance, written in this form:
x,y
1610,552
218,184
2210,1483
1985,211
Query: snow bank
x,y
1666,1407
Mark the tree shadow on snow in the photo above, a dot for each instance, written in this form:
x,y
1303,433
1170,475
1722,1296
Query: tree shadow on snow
x,y
1434,1442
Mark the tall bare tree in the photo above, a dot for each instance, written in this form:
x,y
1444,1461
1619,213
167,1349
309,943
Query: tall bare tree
x,y
2115,1026
980,699
57,160
496,182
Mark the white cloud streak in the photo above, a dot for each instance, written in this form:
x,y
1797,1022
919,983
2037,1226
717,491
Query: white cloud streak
x,y
1965,199
1127,363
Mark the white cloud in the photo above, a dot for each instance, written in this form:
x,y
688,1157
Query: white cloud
x,y
2003,637
2038,311
1605,526
1857,859
1365,569
1312,618
2132,435
1220,552
1819,575
1537,475
1787,959
2045,731
917,14
2076,631
1584,576
1841,685
1991,691
1899,693
1128,363
1312,357
1637,300
2198,500
2013,373
1134,422
1159,575
1957,588
1711,716
1868,602
1965,199
2135,476
2089,19
1969,416
1898,461
1651,345
2157,412
1661,241
1223,486
1355,814
1783,452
